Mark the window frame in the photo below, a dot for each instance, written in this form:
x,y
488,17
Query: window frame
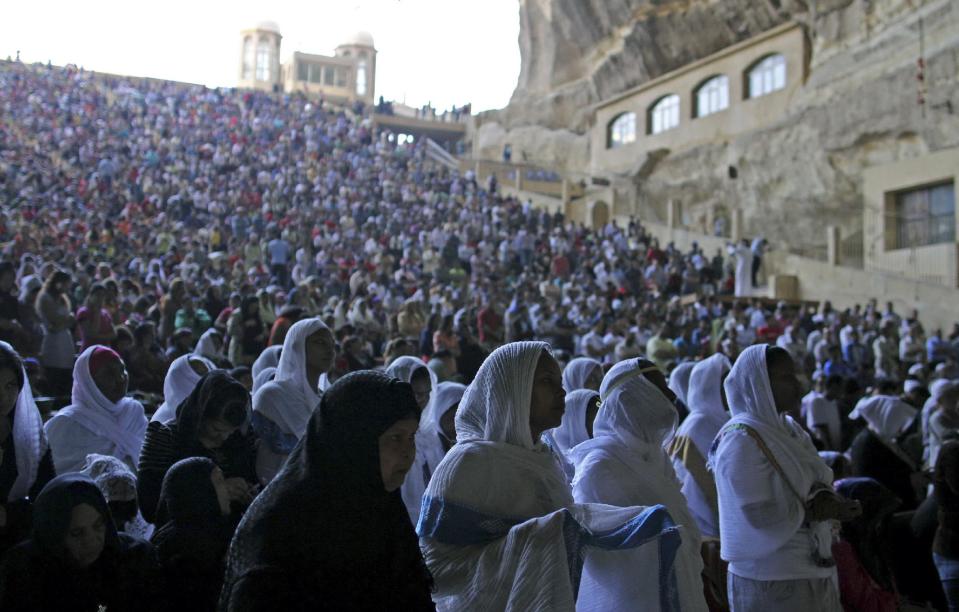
x,y
768,72
654,109
922,228
263,70
611,130
362,75
722,94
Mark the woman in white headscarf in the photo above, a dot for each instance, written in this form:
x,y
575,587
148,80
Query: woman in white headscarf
x,y
885,415
679,380
776,504
690,447
625,463
210,345
582,373
499,527
267,374
100,418
876,453
25,461
428,452
283,406
435,436
575,428
184,373
269,358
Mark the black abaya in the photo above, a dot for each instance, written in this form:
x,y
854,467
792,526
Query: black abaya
x,y
325,534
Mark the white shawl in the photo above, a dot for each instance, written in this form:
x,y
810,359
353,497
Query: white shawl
x,y
704,400
679,379
937,389
499,528
264,376
429,446
572,429
625,465
760,518
577,371
179,383
123,423
28,438
289,400
706,417
269,358
207,347
886,416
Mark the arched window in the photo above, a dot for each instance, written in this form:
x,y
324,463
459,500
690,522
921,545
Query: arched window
x,y
264,60
766,76
712,96
621,130
361,78
664,114
248,58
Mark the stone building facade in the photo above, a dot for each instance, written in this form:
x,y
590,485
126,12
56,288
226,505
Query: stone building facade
x,y
347,75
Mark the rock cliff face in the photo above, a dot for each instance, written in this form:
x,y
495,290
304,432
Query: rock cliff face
x,y
579,52
857,108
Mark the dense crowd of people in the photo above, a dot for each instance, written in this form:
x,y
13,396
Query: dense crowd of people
x,y
257,354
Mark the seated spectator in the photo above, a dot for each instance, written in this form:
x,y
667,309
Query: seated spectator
x,y
11,329
118,484
181,343
25,461
211,422
182,377
864,552
75,559
282,407
147,364
210,346
191,545
877,450
94,321
287,317
946,545
100,419
303,545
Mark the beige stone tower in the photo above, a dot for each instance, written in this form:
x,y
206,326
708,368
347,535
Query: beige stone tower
x,y
359,47
260,57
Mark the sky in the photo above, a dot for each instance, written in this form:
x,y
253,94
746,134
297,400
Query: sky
x,y
441,51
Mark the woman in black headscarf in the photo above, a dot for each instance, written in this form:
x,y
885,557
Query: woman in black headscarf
x,y
331,532
191,547
209,423
75,559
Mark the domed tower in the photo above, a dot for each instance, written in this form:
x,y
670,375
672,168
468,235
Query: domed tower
x,y
360,48
260,57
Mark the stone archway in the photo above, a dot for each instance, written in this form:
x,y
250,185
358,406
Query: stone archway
x,y
598,214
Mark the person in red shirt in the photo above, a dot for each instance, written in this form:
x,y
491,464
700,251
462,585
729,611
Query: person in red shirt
x,y
489,322
561,266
